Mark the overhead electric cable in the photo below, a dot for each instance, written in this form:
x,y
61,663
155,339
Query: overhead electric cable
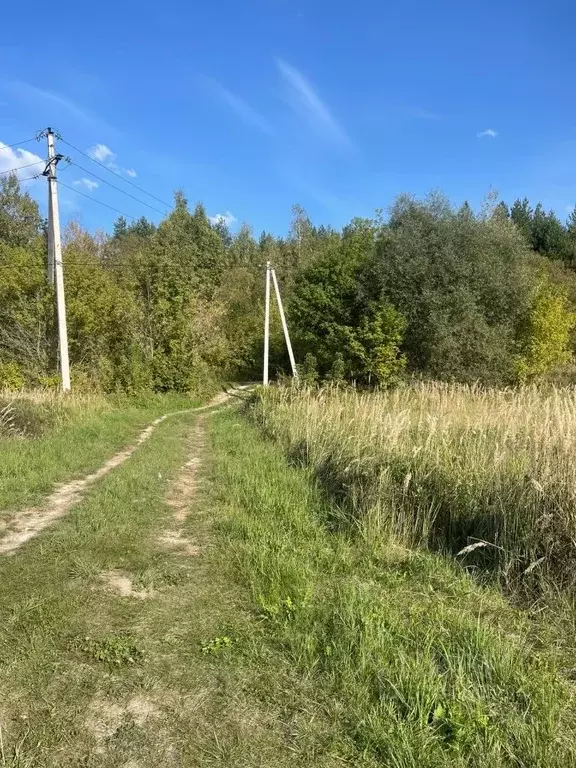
x,y
20,167
10,146
110,170
95,200
162,213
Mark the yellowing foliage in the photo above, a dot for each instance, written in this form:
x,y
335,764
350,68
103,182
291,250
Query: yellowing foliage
x,y
546,342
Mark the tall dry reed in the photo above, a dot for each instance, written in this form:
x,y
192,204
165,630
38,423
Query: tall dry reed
x,y
489,474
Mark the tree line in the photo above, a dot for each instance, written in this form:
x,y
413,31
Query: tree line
x,y
430,290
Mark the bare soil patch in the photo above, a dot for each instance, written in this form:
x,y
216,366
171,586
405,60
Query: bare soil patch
x,y
121,583
175,540
105,717
182,493
28,523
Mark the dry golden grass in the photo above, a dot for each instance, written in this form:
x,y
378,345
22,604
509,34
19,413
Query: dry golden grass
x,y
53,396
447,467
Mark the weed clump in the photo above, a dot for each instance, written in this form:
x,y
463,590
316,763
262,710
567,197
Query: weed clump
x,y
115,650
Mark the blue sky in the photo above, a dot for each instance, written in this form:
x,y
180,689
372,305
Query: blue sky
x,y
253,105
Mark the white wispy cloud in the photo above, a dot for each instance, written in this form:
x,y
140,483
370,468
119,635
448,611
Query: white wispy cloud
x,y
308,187
304,100
418,113
488,133
57,99
90,185
11,158
397,114
223,218
53,104
102,153
244,111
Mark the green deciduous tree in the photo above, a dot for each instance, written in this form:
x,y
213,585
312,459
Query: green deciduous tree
x,y
334,319
241,296
103,320
25,311
462,284
373,348
20,220
243,249
25,298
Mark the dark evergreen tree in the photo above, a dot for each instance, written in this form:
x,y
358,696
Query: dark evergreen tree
x,y
120,227
521,214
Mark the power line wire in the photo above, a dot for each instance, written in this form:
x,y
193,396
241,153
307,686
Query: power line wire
x,y
106,261
30,178
95,200
34,267
114,262
126,181
162,213
101,262
10,146
20,167
118,266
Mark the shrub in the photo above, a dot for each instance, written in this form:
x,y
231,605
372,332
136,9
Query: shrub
x,y
11,376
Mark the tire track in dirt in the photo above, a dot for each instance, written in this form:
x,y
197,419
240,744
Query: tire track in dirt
x,y
28,523
182,493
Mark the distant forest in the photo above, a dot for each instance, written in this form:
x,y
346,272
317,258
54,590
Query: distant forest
x,y
429,290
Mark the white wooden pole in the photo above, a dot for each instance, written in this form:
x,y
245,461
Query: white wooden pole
x,y
267,326
284,326
57,256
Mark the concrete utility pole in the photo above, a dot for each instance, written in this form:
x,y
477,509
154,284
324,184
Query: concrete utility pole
x,y
55,271
50,239
284,325
267,326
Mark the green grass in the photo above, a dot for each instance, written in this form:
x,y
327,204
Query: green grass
x,y
405,660
88,678
56,438
282,643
